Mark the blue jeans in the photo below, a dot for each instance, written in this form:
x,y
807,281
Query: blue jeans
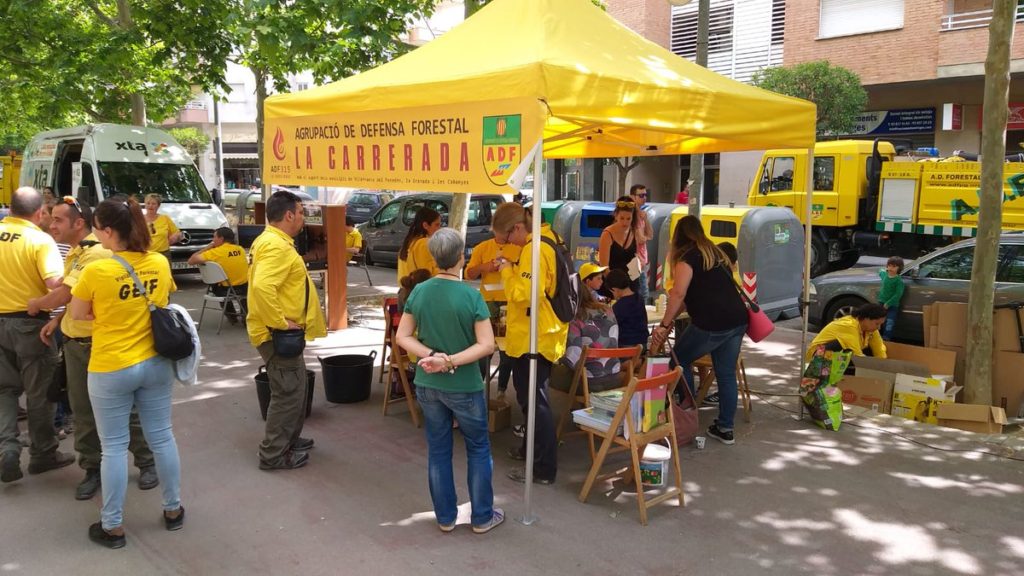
x,y
147,385
890,322
724,348
471,411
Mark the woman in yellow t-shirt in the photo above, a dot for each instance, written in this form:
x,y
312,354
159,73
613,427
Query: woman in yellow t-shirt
x,y
124,367
414,254
162,231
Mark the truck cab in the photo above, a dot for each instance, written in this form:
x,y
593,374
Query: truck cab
x,y
96,162
845,194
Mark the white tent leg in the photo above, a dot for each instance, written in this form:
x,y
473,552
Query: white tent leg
x,y
531,414
805,304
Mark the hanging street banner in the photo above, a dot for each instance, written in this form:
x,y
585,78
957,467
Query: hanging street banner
x,y
470,147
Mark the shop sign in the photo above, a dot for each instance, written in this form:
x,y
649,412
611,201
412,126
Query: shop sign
x,y
905,121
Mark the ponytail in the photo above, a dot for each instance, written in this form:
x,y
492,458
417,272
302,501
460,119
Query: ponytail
x,y
125,218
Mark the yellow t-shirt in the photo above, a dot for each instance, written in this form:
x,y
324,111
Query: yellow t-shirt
x,y
231,258
353,239
485,252
160,231
76,261
551,332
28,257
419,257
846,331
122,334
277,289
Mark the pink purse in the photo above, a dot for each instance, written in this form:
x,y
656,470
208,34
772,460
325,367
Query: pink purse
x,y
759,326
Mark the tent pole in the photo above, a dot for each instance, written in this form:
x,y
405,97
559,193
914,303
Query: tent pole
x,y
805,303
531,413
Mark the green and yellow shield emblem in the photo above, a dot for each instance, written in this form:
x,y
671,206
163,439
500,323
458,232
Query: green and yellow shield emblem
x,y
502,146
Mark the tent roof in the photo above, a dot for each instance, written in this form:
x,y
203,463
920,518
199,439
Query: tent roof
x,y
609,91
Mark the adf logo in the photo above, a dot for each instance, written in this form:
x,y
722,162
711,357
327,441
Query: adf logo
x,y
502,146
279,145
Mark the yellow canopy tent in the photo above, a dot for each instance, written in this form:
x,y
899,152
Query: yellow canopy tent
x,y
461,113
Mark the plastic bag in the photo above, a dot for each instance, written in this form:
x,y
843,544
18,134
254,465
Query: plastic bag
x,y
823,399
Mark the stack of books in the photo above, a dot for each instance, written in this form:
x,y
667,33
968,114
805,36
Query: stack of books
x,y
648,410
594,418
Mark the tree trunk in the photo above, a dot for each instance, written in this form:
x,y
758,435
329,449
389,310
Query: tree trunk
x,y
124,20
697,160
261,97
623,173
978,385
459,215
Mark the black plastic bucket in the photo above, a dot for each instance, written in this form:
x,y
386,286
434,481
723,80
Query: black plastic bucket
x,y
347,377
263,390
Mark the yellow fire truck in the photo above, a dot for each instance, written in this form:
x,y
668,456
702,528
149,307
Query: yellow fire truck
x,y
10,171
868,199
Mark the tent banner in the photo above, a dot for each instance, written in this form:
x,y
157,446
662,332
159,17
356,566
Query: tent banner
x,y
468,147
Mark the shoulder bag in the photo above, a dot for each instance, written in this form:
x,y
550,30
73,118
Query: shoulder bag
x,y
759,326
291,342
171,334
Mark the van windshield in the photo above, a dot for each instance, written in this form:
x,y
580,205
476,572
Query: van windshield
x,y
173,182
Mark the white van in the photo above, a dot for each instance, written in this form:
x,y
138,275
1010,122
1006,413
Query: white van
x,y
98,161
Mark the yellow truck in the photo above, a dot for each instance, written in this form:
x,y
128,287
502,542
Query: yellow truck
x,y
10,171
867,199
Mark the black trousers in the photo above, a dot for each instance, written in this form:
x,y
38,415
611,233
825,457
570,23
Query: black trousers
x,y
545,445
242,290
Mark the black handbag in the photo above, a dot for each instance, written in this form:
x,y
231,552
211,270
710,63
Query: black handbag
x,y
291,343
172,337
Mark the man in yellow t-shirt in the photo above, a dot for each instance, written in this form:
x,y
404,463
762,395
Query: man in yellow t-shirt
x,y
71,225
353,239
282,297
230,257
484,262
31,266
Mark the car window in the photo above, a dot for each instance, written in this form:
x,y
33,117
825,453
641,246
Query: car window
x,y
1013,269
388,214
954,265
363,200
478,216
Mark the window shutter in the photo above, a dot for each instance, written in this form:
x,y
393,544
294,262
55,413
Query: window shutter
x,y
847,17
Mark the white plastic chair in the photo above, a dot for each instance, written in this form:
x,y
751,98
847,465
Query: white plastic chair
x,y
213,274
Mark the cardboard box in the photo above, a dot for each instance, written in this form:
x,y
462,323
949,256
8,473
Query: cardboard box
x,y
1008,382
499,415
933,337
928,322
1005,336
952,324
918,398
873,393
972,418
887,369
941,363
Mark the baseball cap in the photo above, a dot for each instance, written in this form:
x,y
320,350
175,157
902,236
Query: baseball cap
x,y
589,269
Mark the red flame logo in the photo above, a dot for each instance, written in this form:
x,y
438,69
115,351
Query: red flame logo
x,y
279,145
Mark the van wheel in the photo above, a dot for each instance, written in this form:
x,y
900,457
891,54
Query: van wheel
x,y
841,307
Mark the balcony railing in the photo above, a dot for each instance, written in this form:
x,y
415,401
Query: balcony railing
x,y
976,19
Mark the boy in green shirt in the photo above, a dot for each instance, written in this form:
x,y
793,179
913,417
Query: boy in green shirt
x,y
891,293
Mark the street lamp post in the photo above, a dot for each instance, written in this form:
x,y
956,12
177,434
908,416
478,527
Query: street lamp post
x,y
697,160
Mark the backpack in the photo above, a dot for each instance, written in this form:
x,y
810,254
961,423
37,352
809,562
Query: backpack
x,y
566,301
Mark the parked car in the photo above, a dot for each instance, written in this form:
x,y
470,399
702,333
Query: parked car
x,y
384,232
362,204
942,276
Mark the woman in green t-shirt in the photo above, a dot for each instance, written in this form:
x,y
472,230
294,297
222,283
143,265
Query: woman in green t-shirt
x,y
446,324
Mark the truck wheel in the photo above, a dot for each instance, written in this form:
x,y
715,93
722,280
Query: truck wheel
x,y
819,257
848,260
841,307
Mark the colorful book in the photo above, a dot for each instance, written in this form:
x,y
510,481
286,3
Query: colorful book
x,y
654,409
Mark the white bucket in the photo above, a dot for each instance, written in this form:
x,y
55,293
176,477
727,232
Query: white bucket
x,y
654,464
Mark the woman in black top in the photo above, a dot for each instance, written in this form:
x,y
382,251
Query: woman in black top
x,y
704,287
617,247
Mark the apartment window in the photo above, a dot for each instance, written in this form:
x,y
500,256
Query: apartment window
x,y
300,86
848,17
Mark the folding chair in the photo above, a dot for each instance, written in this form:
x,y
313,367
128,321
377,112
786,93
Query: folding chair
x,y
391,317
637,441
359,261
705,372
213,274
579,390
399,363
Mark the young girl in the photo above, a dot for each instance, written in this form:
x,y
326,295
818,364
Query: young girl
x,y
629,310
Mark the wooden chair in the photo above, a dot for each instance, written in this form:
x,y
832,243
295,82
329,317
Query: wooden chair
x,y
391,318
705,372
398,367
579,389
637,441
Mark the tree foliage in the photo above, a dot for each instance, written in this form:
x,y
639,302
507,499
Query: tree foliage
x,y
835,90
64,62
193,140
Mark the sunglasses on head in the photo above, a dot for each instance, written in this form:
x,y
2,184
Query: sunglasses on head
x,y
625,204
72,201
